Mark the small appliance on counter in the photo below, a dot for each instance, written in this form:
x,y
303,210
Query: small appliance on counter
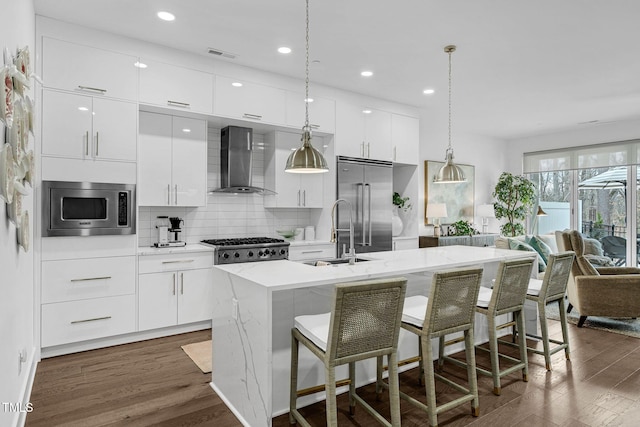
x,y
168,232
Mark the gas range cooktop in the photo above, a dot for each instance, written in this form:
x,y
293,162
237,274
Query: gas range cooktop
x,y
248,249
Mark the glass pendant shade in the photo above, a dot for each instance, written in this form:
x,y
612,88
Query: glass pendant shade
x,y
450,172
306,159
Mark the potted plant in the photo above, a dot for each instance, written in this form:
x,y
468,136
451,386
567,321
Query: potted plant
x,y
515,196
463,228
401,202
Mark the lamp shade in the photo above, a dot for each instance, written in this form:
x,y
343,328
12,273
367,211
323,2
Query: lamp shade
x,y
486,211
449,173
540,212
306,159
437,210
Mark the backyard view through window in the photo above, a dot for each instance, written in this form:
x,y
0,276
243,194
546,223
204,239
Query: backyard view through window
x,y
593,189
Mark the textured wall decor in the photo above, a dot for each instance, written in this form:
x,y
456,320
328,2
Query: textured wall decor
x,y
17,174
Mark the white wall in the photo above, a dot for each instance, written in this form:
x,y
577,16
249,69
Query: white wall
x,y
16,266
487,155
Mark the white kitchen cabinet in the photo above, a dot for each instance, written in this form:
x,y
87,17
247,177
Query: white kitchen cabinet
x,y
240,99
174,289
88,128
172,164
98,72
322,112
405,139
363,132
87,298
176,87
402,243
312,251
293,190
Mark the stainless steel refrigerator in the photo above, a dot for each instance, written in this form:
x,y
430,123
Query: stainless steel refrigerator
x,y
368,186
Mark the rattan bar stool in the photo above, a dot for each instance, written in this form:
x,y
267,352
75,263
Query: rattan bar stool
x,y
551,289
506,297
450,308
364,323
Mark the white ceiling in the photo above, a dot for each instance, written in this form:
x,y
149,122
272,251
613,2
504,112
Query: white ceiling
x,y
522,67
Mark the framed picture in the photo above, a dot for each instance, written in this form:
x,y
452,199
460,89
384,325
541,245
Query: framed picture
x,y
458,197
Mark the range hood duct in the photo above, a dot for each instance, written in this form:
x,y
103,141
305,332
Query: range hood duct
x,y
236,146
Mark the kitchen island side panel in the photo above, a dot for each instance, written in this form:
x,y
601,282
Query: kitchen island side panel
x,y
241,371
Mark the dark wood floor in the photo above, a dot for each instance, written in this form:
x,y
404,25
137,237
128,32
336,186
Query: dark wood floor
x,y
155,383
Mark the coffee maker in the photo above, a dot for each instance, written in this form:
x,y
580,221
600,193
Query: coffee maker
x,y
174,231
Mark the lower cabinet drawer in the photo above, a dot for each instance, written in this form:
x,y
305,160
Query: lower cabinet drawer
x,y
173,262
309,252
69,280
74,321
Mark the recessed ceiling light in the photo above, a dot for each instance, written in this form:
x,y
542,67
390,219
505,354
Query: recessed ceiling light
x,y
284,49
367,111
140,64
308,100
428,91
186,130
83,109
366,73
236,84
166,16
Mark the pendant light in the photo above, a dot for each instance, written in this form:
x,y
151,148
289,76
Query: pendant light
x,y
306,159
449,173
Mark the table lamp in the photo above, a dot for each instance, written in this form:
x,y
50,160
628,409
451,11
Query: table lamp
x,y
485,212
436,211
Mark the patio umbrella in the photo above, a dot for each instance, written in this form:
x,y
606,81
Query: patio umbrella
x,y
615,178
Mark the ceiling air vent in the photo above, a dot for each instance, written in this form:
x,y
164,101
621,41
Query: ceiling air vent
x,y
218,52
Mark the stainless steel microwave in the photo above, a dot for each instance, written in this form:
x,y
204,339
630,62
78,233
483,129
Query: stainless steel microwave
x,y
87,208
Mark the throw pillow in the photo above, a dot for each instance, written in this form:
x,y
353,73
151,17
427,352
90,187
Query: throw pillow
x,y
523,246
541,247
593,247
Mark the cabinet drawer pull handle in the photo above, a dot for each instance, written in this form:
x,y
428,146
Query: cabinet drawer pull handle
x,y
179,104
252,116
168,194
176,193
312,252
181,283
177,261
92,89
174,283
97,142
90,278
73,322
86,145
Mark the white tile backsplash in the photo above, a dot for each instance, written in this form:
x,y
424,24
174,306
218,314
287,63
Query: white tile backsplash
x,y
226,215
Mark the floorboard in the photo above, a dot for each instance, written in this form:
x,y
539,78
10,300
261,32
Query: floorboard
x,y
154,383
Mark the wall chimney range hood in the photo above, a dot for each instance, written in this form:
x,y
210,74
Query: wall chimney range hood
x,y
236,146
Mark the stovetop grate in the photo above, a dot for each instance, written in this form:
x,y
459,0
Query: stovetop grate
x,y
242,241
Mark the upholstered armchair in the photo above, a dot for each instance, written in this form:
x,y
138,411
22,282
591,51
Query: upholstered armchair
x,y
602,291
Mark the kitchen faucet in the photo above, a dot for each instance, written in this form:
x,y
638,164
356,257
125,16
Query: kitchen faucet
x,y
352,251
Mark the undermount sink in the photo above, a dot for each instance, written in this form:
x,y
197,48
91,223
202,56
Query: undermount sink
x,y
337,261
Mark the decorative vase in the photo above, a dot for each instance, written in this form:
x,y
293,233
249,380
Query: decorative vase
x,y
396,223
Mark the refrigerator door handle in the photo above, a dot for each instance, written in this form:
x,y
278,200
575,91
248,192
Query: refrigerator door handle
x,y
360,212
368,211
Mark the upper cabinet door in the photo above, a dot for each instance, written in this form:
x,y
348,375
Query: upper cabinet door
x,y
248,101
176,87
115,130
74,67
377,132
66,125
189,171
405,138
322,112
154,161
349,130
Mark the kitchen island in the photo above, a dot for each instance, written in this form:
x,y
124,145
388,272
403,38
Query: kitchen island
x,y
255,304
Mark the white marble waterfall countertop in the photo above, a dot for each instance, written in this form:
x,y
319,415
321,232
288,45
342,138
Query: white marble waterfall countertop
x,y
283,274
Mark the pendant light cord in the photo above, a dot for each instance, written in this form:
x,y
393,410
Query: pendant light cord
x,y
450,51
306,81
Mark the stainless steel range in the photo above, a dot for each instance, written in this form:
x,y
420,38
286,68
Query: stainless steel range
x,y
248,249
